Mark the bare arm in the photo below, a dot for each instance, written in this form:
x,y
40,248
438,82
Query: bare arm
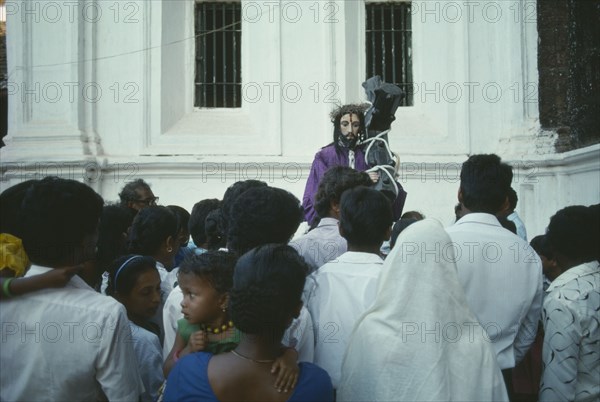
x,y
177,347
56,278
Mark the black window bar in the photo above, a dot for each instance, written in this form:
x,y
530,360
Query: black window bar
x,y
389,44
218,30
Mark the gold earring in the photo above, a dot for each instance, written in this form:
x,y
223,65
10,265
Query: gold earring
x,y
169,249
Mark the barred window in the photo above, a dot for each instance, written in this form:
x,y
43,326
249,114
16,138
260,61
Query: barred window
x,y
218,31
389,44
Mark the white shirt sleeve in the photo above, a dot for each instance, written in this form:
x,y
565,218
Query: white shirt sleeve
x,y
300,336
171,314
116,365
528,329
147,348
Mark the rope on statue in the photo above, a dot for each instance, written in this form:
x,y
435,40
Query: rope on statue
x,y
384,99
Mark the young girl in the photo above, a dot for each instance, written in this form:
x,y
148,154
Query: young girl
x,y
134,281
205,280
264,299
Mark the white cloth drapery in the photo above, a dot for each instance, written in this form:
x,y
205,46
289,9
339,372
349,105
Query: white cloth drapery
x,y
419,340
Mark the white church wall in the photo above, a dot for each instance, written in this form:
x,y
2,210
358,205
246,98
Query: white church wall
x,y
474,67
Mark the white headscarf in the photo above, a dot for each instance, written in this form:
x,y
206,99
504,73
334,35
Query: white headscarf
x,y
419,341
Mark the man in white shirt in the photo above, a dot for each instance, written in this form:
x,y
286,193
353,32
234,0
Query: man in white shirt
x,y
571,353
500,273
341,290
69,343
513,216
324,243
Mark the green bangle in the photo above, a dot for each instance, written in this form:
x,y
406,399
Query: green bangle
x,y
5,286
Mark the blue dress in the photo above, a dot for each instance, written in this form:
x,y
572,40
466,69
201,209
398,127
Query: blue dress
x,y
188,381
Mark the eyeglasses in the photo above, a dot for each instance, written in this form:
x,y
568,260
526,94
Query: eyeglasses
x,y
148,201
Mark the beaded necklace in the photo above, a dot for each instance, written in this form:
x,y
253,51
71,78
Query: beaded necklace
x,y
220,329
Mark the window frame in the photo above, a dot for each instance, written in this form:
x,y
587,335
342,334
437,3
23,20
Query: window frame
x,y
173,125
407,86
224,87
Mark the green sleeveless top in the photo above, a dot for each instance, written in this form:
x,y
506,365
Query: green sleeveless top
x,y
185,329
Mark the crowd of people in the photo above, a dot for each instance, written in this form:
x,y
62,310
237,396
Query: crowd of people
x,y
137,301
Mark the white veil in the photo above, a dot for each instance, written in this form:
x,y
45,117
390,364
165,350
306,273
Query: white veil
x,y
419,341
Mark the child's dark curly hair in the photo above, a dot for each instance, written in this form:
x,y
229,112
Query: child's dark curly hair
x,y
267,288
214,266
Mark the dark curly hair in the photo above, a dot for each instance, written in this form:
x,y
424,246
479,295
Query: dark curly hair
x,y
231,194
267,288
197,222
337,114
56,215
150,228
335,181
124,272
263,215
214,266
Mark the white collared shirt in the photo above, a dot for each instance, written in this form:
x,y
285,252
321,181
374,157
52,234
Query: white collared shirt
x,y
516,219
171,314
149,357
502,279
322,244
336,295
64,344
299,335
571,351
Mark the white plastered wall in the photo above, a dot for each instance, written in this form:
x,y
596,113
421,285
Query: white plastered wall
x,y
105,94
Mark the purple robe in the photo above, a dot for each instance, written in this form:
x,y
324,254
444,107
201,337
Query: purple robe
x,y
326,158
